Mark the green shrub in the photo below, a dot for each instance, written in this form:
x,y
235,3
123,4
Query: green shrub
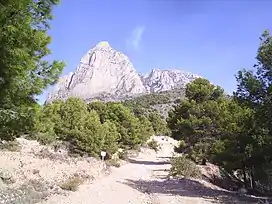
x,y
137,148
71,184
123,155
184,167
44,138
91,128
12,146
113,162
153,144
181,146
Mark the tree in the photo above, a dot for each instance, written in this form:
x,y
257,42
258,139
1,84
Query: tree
x,y
47,122
24,71
110,137
200,118
236,132
100,108
74,122
73,114
127,124
254,91
201,90
85,138
159,125
146,129
211,126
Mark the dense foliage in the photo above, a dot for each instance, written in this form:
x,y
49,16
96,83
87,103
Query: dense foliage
x,y
235,133
91,128
146,101
184,167
24,72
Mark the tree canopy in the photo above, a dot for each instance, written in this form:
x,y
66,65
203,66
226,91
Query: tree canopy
x,y
236,132
90,128
24,70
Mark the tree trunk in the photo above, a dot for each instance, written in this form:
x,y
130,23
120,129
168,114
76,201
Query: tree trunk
x,y
204,161
253,183
244,175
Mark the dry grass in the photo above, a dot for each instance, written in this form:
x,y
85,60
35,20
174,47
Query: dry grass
x,y
72,184
113,162
12,146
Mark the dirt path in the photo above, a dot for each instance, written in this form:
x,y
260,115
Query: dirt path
x,y
131,183
142,181
115,188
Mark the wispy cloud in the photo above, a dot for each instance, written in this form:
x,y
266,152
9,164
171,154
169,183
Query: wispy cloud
x,y
135,38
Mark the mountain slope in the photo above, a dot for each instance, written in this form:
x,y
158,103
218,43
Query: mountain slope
x,y
106,74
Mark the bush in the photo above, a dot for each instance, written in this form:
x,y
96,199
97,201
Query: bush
x,y
91,128
12,146
113,162
123,155
153,144
43,138
181,146
137,148
72,184
6,176
184,167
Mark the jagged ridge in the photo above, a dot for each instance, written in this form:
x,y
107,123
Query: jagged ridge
x,y
106,74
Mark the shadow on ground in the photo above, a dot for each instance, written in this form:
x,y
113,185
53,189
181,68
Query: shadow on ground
x,y
189,188
165,157
133,161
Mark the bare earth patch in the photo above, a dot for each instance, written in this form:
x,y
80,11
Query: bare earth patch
x,y
36,172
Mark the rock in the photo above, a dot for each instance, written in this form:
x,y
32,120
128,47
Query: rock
x,y
242,191
163,80
102,70
108,75
5,174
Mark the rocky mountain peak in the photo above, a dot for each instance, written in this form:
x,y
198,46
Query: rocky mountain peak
x,y
101,71
106,74
103,44
167,79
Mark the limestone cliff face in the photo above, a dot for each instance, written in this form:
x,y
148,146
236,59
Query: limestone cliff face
x,y
163,80
101,71
106,74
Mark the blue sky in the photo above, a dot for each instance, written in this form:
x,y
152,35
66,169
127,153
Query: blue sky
x,y
211,38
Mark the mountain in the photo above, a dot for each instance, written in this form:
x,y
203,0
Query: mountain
x,y
106,74
162,80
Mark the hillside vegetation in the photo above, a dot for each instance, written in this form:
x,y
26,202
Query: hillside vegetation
x,y
91,128
149,100
234,133
160,102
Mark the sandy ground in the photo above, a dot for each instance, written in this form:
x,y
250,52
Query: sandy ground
x,y
141,181
144,181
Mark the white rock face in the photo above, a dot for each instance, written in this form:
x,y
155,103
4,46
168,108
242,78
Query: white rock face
x,y
106,74
163,80
102,70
